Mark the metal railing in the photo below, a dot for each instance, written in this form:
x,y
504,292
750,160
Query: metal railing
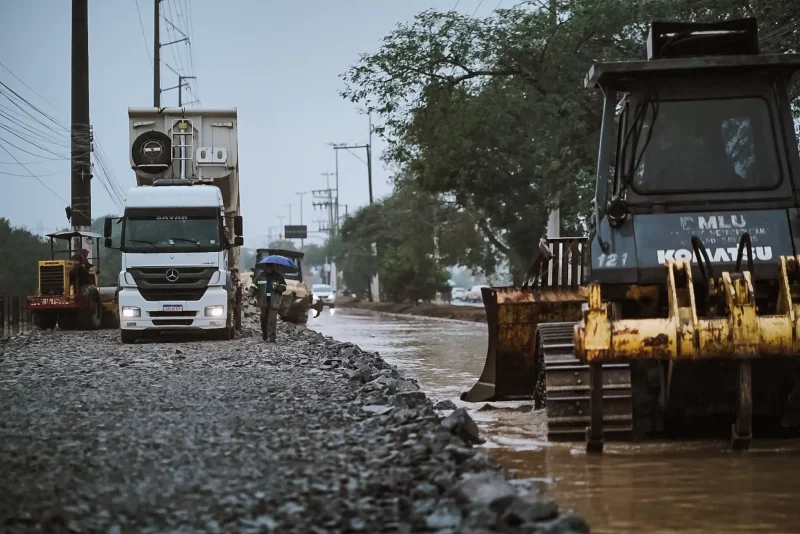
x,y
15,317
560,262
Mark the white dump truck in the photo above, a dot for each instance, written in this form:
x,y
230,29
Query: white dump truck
x,y
181,230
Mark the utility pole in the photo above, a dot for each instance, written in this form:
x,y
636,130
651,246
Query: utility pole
x,y
81,201
281,228
301,195
369,157
290,212
270,235
369,162
336,210
156,54
180,88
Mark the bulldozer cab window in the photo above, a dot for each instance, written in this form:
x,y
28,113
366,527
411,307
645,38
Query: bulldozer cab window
x,y
705,145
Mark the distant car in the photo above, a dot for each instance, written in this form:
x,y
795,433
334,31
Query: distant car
x,y
474,294
458,293
324,293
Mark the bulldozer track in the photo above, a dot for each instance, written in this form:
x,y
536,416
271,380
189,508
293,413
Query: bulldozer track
x,y
566,389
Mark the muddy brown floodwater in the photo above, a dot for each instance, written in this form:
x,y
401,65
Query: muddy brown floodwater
x,y
653,487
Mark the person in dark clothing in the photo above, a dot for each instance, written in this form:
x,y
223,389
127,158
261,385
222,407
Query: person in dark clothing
x,y
80,274
271,284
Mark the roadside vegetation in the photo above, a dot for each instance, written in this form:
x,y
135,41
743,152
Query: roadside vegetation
x,y
489,127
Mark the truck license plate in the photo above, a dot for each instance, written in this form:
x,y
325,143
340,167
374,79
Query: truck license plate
x,y
173,308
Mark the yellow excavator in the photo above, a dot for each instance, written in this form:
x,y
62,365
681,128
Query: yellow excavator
x,y
681,310
69,294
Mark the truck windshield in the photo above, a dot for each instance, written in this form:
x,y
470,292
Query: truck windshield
x,y
178,233
706,145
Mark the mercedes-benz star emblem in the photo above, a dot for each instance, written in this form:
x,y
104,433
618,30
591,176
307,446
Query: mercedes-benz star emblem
x,y
172,275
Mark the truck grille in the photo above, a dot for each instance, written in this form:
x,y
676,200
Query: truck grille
x,y
172,314
152,295
190,284
173,322
51,279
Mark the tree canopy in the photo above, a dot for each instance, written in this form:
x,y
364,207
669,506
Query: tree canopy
x,y
491,112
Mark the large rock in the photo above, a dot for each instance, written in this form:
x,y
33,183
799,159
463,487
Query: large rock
x,y
411,399
461,424
483,489
445,404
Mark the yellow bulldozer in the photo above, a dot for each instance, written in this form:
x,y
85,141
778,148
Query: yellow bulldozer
x,y
681,310
69,294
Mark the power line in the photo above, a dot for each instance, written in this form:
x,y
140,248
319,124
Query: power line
x,y
144,36
2,126
48,117
31,153
31,173
106,178
28,86
28,175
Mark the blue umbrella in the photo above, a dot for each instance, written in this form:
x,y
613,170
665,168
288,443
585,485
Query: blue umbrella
x,y
278,260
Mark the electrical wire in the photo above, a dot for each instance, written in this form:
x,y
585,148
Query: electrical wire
x,y
28,175
28,86
32,174
144,36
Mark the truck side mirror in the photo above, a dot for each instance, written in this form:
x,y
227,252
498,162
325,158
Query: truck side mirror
x,y
107,230
238,226
107,241
238,241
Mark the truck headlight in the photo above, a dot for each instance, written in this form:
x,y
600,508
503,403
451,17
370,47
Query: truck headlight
x,y
131,311
215,311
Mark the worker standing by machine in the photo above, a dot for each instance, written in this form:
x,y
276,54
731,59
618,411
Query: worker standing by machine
x,y
270,288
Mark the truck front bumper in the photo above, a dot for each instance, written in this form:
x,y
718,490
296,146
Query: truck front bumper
x,y
172,315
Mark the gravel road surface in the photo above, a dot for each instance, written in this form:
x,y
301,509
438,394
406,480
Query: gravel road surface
x,y
306,435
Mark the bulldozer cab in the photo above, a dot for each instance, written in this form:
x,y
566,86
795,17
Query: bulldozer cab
x,y
697,144
70,244
69,294
293,255
68,250
692,254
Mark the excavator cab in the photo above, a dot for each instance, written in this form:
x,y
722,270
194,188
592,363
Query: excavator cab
x,y
682,304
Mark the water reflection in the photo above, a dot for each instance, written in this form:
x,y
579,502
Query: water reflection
x,y
654,487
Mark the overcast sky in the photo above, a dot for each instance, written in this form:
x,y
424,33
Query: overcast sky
x,y
277,62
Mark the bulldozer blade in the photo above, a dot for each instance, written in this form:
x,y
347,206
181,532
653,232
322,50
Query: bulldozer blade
x,y
318,308
511,368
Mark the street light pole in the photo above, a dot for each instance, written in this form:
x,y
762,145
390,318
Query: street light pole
x,y
301,195
281,229
336,209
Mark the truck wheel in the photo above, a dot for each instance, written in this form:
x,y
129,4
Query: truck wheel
x,y
127,336
46,320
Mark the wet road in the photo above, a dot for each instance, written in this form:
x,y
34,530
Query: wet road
x,y
655,488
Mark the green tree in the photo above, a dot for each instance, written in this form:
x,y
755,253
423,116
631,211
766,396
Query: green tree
x,y
403,227
20,253
314,254
491,112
